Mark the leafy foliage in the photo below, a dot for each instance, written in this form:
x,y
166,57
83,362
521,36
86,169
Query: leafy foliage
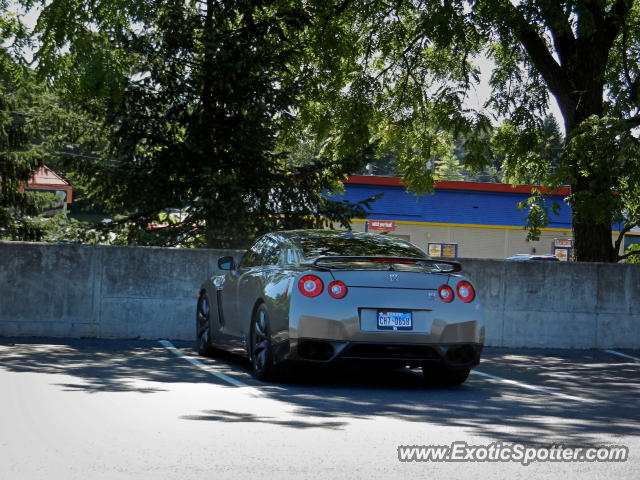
x,y
633,253
35,125
539,211
448,167
23,121
200,100
241,113
420,60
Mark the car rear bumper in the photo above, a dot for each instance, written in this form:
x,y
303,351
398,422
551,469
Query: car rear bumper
x,y
322,351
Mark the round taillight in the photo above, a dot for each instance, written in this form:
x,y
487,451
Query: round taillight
x,y
337,289
310,286
445,292
466,293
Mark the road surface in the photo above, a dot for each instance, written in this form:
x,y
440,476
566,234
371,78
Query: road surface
x,y
97,409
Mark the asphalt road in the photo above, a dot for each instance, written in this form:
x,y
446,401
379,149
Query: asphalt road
x,y
91,409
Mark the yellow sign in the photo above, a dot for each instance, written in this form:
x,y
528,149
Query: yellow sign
x,y
442,250
448,251
562,254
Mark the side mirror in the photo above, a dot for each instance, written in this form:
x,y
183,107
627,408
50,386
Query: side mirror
x,y
226,263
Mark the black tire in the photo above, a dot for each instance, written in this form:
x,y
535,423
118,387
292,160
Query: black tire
x,y
203,326
450,377
260,345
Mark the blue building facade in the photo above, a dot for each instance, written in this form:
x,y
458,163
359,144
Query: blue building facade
x,y
455,203
465,219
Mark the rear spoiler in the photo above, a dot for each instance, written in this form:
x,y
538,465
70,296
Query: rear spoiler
x,y
454,266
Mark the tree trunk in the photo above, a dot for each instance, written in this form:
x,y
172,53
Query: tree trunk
x,y
592,238
592,242
206,130
576,78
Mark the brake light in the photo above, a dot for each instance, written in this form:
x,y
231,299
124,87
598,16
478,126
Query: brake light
x,y
445,292
393,260
310,286
337,289
466,293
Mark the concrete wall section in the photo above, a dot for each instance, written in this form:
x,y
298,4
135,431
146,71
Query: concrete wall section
x,y
131,292
48,289
556,304
106,292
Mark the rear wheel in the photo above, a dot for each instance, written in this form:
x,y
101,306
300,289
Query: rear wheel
x,y
260,345
203,326
445,375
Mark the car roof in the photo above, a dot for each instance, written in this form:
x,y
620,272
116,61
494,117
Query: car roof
x,y
306,232
298,239
291,236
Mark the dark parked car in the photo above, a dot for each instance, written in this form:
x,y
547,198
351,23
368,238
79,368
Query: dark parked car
x,y
319,296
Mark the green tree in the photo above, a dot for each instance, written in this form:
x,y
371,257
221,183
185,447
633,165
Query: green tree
x,y
200,100
553,141
633,253
420,58
24,120
448,167
36,124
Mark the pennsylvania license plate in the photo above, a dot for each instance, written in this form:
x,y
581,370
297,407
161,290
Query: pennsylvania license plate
x,y
389,320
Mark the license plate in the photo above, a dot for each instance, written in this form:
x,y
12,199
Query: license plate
x,y
388,320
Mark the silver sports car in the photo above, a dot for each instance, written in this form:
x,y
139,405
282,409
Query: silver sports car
x,y
320,296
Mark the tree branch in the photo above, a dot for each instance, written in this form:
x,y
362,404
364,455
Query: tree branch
x,y
557,21
608,23
626,229
634,86
552,73
628,255
616,17
629,123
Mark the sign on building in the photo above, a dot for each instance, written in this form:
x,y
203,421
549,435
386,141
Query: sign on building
x,y
562,248
443,250
386,225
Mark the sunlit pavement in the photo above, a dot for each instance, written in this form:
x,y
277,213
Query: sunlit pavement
x,y
134,409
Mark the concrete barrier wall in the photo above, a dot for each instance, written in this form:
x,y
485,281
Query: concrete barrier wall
x,y
556,304
144,292
101,291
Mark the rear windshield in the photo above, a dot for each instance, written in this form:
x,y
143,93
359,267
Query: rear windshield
x,y
322,243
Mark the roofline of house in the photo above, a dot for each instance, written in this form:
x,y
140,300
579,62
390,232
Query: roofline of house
x,y
44,168
63,185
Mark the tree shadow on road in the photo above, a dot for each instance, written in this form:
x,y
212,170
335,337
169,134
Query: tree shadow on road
x,y
226,416
501,411
330,398
99,365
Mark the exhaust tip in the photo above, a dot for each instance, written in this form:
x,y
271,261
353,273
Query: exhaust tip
x,y
315,350
461,354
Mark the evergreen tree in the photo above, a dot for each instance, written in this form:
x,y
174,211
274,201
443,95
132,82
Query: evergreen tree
x,y
20,155
200,101
35,126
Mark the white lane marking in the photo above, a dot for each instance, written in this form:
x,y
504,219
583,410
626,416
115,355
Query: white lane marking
x,y
194,361
620,354
534,387
245,397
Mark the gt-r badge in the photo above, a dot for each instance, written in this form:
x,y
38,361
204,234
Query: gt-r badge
x,y
393,277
